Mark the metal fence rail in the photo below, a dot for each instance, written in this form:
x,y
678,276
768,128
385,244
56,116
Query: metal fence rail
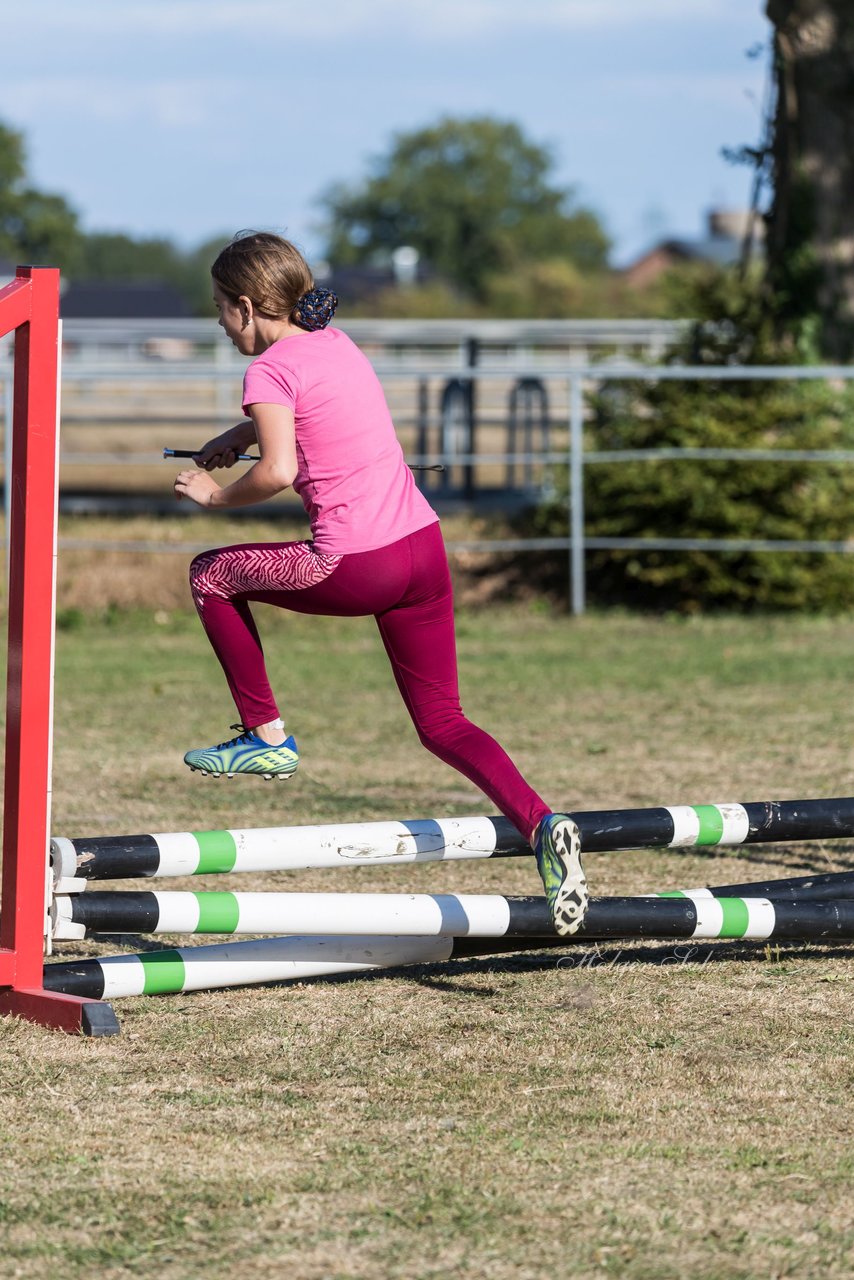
x,y
457,343
576,381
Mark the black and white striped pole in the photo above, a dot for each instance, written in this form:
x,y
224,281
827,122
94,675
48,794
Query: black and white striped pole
x,y
187,853
701,916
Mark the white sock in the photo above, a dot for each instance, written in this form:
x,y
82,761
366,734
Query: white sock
x,y
273,724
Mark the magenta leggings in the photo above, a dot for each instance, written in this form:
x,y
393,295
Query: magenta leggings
x,y
407,587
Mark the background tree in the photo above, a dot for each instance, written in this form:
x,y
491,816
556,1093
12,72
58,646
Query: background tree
x,y
801,305
35,227
811,220
110,255
710,498
475,197
114,256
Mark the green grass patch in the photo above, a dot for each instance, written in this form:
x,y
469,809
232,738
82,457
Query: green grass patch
x,y
621,1110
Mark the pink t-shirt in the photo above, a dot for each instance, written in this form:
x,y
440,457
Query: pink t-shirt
x,y
351,477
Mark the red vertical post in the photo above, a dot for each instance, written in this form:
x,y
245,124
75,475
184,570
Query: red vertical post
x,y
29,691
30,626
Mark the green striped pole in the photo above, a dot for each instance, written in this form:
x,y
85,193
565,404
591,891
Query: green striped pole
x,y
447,915
264,960
234,964
823,886
187,853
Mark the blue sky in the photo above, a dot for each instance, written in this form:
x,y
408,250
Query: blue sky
x,y
188,118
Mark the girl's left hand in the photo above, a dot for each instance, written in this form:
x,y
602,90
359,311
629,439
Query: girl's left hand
x,y
199,486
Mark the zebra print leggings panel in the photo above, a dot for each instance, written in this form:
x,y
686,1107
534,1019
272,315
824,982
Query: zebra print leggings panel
x,y
275,566
407,588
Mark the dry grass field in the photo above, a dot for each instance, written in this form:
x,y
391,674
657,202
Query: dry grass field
x,y
636,1111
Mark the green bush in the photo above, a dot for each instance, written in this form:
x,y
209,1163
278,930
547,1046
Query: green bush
x,y
684,498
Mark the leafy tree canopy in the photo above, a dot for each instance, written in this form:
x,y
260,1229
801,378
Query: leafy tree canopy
x,y
115,256
34,226
473,196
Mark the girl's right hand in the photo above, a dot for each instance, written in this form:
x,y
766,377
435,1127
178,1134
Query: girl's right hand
x,y
223,450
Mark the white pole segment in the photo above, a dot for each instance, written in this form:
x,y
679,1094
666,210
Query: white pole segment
x,y
236,964
295,848
430,915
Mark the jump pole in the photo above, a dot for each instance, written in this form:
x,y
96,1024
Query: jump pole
x,y
264,960
296,958
277,959
234,964
824,887
29,306
187,853
449,915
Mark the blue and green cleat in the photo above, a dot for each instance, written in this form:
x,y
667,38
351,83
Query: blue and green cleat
x,y
246,753
557,849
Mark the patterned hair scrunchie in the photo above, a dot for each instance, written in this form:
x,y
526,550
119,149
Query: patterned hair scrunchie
x,y
315,309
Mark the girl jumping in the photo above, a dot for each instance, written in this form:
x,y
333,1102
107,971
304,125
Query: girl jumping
x,y
317,412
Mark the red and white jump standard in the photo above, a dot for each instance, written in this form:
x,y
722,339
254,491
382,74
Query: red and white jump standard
x,y
29,306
